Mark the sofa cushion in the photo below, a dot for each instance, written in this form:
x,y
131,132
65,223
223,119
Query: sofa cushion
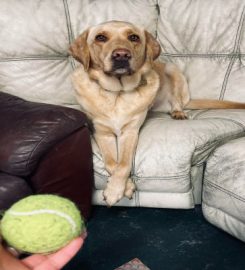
x,y
224,188
206,27
206,40
168,149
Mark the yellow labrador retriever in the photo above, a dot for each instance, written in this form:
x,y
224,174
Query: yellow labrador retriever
x,y
117,83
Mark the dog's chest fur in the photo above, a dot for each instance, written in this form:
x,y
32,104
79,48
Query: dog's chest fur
x,y
113,110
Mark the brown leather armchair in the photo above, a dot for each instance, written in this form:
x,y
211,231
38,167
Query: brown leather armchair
x,y
44,149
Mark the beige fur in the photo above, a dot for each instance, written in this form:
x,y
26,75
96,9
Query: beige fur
x,y
116,95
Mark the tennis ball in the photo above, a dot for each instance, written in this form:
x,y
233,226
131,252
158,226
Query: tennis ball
x,y
41,224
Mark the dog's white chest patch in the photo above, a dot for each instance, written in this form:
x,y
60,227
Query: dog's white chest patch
x,y
118,131
117,125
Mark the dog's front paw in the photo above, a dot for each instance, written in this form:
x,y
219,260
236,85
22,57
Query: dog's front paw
x,y
130,189
113,193
179,115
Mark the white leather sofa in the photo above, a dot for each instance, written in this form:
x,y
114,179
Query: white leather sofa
x,y
206,39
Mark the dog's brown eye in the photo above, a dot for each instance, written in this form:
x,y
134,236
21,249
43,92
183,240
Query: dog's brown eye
x,y
134,38
101,38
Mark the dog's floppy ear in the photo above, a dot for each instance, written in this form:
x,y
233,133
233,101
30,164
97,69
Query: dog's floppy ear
x,y
80,51
153,48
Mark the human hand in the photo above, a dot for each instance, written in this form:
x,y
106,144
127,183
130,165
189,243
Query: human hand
x,y
54,261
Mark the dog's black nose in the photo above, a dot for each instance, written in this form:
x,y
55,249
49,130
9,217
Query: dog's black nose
x,y
121,54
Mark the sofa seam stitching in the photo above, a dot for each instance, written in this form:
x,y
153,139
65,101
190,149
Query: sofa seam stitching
x,y
220,139
158,14
64,56
207,182
202,113
34,58
70,32
37,146
235,51
176,177
205,55
180,177
68,23
207,205
225,119
226,78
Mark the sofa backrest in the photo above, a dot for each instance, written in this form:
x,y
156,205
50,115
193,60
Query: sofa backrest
x,y
206,39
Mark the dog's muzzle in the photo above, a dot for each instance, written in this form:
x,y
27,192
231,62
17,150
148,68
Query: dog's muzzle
x,y
120,61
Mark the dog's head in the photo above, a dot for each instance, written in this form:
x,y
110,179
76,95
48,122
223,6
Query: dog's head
x,y
118,48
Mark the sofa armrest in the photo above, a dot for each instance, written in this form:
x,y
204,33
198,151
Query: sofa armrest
x,y
29,130
67,170
12,189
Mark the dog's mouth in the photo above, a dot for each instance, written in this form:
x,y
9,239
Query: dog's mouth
x,y
121,67
120,62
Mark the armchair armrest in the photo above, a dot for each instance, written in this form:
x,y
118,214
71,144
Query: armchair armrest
x,y
12,189
48,148
29,130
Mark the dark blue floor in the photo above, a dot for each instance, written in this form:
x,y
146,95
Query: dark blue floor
x,y
163,239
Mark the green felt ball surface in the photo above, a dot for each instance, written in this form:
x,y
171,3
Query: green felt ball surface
x,y
41,224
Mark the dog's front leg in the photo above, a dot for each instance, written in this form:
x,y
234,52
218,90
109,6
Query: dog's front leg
x,y
119,183
108,148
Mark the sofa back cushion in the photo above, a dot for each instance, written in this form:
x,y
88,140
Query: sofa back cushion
x,y
204,38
